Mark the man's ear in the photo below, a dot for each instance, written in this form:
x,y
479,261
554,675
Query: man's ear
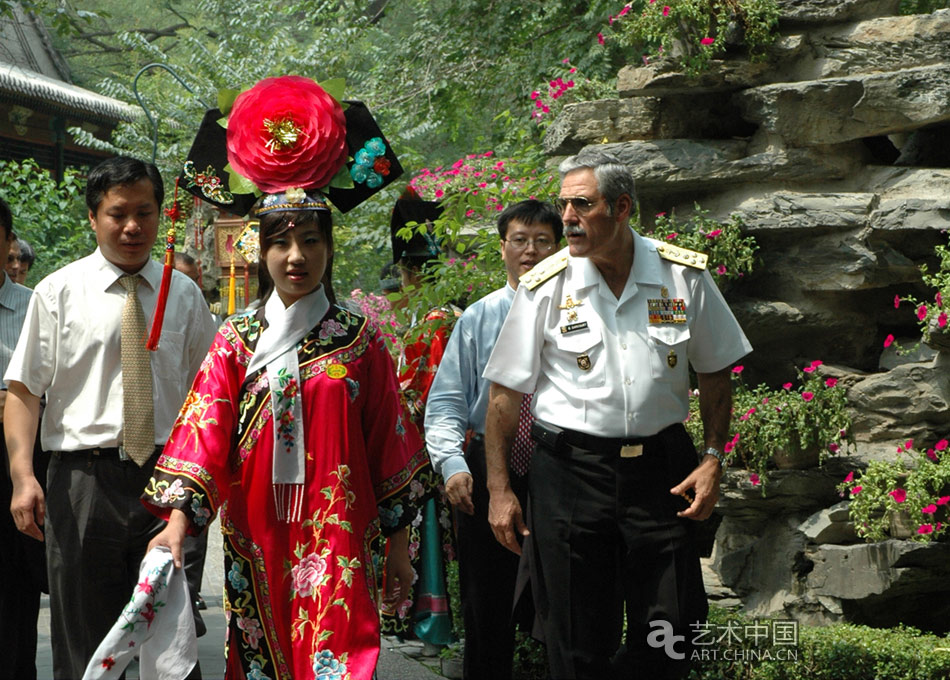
x,y
92,220
624,207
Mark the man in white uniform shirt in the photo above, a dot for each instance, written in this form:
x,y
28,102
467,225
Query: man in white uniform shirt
x,y
603,335
529,231
71,350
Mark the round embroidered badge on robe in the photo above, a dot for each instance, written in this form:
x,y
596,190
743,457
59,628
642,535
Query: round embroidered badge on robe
x,y
336,371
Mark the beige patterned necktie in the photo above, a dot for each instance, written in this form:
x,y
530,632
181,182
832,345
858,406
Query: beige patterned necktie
x,y
138,419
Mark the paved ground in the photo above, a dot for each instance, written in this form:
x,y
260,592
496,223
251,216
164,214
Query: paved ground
x,y
398,661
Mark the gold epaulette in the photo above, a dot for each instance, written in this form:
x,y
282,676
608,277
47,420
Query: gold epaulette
x,y
545,269
690,258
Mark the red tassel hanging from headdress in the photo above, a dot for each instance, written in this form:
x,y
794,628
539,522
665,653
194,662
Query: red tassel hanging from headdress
x,y
159,317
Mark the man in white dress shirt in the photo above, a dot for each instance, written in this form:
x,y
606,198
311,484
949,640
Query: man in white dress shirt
x,y
96,529
529,231
603,336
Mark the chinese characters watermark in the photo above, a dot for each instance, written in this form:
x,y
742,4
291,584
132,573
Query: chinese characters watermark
x,y
768,640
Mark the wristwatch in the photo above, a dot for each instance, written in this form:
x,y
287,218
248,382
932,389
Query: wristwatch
x,y
717,454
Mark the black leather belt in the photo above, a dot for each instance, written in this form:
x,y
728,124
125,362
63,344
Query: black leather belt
x,y
100,452
557,438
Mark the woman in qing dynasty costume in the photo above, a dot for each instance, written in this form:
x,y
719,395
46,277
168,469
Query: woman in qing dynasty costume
x,y
294,429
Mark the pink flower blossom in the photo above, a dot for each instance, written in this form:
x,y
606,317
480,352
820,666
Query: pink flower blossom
x,y
600,38
929,509
714,233
809,369
889,340
626,8
535,94
849,478
721,269
706,41
922,312
856,490
943,500
931,455
661,214
897,301
307,573
754,478
738,369
833,447
909,444
942,320
938,299
666,10
899,495
941,445
747,414
731,445
816,363
787,386
808,396
831,382
925,529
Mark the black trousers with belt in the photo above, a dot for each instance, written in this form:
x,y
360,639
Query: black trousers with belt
x,y
607,540
22,579
487,575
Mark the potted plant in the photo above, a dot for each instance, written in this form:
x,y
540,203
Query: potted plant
x,y
908,497
791,427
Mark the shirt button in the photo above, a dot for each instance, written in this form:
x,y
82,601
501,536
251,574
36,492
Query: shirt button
x,y
627,381
623,345
629,416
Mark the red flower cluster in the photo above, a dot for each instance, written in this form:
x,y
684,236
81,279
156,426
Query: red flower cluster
x,y
286,132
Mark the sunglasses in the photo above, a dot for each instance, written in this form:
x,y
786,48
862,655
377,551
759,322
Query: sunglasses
x,y
581,205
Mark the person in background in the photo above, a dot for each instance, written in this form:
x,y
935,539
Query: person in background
x,y
426,614
110,406
27,258
603,335
529,231
13,259
22,563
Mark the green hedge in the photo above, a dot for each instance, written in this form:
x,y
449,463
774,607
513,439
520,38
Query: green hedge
x,y
838,652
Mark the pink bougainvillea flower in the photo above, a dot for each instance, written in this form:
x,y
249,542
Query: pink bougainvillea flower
x,y
922,312
941,445
754,478
808,396
831,382
535,94
787,386
706,41
897,301
833,447
849,478
931,455
889,340
286,132
909,444
626,8
666,10
600,38
731,445
747,414
738,369
929,509
943,500
942,320
855,490
714,233
721,269
899,495
816,363
925,529
809,369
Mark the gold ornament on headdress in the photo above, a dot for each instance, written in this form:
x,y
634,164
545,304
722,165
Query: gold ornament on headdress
x,y
284,133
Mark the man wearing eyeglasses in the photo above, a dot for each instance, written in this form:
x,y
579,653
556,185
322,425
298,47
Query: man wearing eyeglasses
x,y
603,335
529,232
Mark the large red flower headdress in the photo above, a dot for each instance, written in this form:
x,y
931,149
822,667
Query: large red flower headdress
x,y
288,133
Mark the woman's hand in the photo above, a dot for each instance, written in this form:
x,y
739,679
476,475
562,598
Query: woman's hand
x,y
399,573
172,536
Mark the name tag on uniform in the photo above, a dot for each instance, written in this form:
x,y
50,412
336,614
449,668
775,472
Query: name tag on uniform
x,y
571,327
666,310
631,450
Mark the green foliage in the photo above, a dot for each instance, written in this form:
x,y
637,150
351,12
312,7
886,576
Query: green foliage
x,y
695,31
50,216
922,6
811,418
837,652
731,255
915,486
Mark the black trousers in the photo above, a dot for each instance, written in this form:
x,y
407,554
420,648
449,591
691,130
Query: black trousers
x,y
487,575
97,531
22,579
608,542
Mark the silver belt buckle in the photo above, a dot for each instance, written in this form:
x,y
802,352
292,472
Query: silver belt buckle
x,y
631,450
122,454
